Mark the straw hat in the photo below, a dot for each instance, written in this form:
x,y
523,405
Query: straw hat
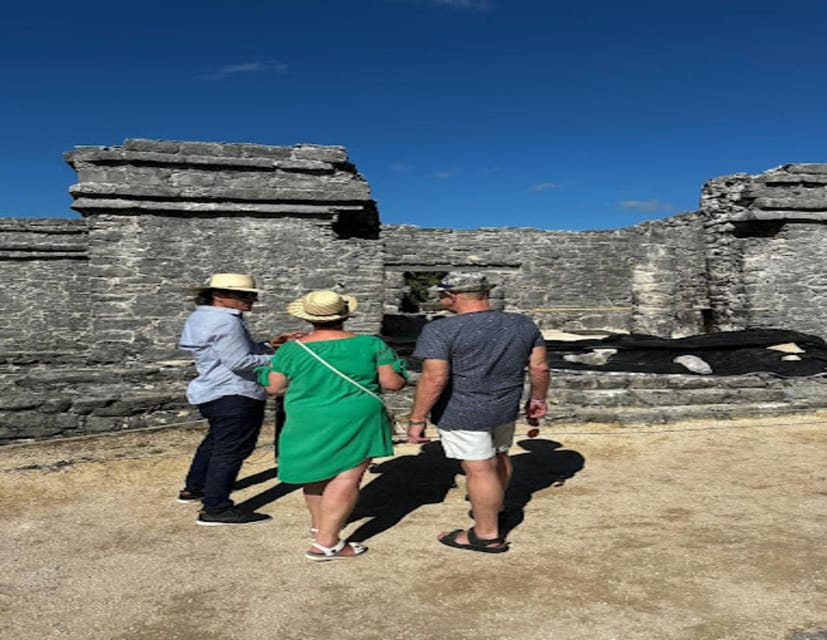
x,y
231,282
323,306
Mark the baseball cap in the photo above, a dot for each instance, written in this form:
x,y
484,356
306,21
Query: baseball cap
x,y
459,282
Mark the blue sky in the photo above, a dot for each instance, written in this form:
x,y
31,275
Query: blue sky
x,y
460,113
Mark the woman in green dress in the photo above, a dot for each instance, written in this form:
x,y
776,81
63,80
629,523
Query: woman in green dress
x,y
336,420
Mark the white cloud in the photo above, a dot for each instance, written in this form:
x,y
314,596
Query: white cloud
x,y
442,175
399,166
544,186
245,68
645,206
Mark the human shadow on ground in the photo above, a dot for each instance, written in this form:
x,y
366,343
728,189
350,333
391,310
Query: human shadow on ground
x,y
267,496
256,478
543,465
409,482
404,484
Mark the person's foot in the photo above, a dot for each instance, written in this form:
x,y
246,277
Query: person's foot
x,y
462,539
233,515
340,551
186,496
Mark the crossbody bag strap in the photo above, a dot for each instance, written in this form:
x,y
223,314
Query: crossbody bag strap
x,y
339,373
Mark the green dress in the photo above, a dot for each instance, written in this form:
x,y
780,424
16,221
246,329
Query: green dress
x,y
332,425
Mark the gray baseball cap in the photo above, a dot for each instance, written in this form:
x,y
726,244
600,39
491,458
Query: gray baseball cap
x,y
463,282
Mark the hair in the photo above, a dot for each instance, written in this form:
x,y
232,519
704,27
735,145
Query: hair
x,y
330,324
204,298
474,295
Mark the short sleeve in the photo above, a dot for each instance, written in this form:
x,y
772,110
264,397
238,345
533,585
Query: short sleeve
x,y
386,355
539,341
432,344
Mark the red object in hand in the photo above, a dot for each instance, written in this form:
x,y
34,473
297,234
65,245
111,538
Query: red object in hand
x,y
533,421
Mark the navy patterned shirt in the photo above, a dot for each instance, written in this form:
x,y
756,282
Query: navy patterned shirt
x,y
487,352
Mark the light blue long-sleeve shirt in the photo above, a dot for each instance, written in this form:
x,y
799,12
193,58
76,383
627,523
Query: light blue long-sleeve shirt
x,y
224,353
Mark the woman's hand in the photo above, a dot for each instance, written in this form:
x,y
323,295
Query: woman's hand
x,y
277,341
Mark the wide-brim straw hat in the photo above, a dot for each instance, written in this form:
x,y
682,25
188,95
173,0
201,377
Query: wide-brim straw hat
x,y
323,306
231,282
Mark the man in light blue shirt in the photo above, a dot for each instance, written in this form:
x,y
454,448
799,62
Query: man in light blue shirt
x,y
226,394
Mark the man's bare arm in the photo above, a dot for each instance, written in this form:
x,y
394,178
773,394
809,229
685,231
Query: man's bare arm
x,y
431,384
538,376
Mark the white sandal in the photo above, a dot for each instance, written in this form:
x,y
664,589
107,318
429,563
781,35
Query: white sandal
x,y
332,553
313,533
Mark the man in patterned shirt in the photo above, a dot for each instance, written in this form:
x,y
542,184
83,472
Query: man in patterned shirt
x,y
472,380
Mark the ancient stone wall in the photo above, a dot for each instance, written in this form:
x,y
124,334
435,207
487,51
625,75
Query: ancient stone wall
x,y
162,216
765,253
94,307
571,281
45,288
145,266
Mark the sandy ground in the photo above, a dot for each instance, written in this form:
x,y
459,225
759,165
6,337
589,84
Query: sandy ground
x,y
692,531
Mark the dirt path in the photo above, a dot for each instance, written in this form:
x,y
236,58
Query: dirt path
x,y
693,531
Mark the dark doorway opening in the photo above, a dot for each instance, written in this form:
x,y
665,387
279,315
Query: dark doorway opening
x,y
416,288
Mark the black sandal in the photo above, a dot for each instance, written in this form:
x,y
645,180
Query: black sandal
x,y
475,543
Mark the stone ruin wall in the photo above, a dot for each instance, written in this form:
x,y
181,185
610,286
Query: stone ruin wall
x,y
45,270
162,216
647,279
765,248
106,296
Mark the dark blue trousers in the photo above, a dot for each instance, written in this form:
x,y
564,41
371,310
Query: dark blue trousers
x,y
234,425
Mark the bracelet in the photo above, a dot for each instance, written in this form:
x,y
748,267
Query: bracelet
x,y
417,422
537,401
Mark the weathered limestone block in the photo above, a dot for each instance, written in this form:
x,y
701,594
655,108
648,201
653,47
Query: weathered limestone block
x,y
171,173
806,168
55,405
20,403
795,202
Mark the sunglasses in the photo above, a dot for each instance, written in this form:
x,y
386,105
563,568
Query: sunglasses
x,y
238,295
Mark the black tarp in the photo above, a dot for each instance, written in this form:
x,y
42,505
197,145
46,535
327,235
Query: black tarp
x,y
727,353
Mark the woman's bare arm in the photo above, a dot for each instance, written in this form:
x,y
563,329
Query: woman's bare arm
x,y
389,379
277,383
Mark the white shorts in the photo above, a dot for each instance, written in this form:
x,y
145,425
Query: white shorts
x,y
477,445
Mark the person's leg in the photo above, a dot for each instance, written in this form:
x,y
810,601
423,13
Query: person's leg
x,y
485,490
197,474
487,472
337,501
504,469
313,499
280,419
502,437
235,422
